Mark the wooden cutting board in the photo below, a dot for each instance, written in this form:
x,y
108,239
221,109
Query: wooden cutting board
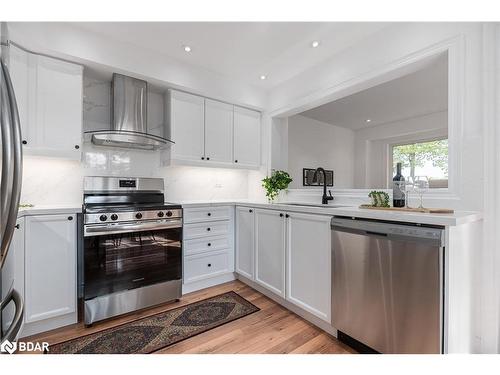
x,y
405,209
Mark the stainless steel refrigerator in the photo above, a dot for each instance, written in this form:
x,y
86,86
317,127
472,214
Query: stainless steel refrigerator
x,y
10,190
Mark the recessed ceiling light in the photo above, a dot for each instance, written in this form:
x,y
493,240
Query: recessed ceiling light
x,y
315,44
263,77
368,120
187,48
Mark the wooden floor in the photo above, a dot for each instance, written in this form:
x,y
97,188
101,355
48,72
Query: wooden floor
x,y
273,329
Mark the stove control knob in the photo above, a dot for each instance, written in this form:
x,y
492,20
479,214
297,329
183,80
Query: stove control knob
x,y
103,218
138,215
169,213
114,217
160,214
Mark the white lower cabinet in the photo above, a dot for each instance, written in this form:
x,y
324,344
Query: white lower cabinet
x,y
202,266
270,250
50,269
308,265
287,253
13,271
208,247
245,241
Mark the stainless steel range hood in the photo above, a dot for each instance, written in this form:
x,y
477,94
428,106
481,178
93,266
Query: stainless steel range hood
x,y
129,117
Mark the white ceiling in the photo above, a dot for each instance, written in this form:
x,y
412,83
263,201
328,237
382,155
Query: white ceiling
x,y
243,50
422,92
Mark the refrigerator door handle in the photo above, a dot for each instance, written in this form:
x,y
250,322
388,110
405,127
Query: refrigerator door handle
x,y
7,157
18,165
15,327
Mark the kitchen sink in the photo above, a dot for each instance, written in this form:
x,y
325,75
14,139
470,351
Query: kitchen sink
x,y
313,205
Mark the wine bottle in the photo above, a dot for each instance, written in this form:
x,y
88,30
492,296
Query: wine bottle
x,y
398,195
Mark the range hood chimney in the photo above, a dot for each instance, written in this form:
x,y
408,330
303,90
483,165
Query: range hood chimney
x,y
129,117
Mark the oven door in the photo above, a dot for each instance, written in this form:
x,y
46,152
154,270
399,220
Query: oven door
x,y
126,256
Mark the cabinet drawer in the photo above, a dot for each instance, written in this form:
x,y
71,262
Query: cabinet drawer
x,y
198,230
202,214
208,265
206,244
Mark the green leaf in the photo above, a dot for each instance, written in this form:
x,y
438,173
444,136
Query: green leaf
x,y
279,180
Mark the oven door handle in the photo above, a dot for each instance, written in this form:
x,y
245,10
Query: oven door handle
x,y
102,229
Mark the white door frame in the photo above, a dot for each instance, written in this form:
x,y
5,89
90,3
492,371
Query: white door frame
x,y
455,47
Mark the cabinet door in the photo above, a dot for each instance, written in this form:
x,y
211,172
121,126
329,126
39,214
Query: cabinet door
x,y
270,250
50,266
13,271
19,68
245,241
218,131
246,137
57,108
309,263
187,121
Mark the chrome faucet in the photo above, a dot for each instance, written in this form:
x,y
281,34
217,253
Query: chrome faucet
x,y
325,198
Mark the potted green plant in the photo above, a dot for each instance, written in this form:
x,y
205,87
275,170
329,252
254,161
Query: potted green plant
x,y
278,181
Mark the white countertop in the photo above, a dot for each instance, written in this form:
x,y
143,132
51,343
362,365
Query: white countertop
x,y
49,210
457,218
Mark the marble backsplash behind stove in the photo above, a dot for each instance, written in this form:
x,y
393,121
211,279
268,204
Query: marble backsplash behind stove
x,y
50,181
54,181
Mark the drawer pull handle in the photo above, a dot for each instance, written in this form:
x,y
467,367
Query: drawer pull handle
x,y
281,215
287,215
208,229
70,218
17,226
209,244
208,158
202,158
250,211
210,264
209,214
77,147
25,142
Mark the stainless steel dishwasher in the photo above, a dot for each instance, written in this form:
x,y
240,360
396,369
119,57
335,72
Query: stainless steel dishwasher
x,y
387,285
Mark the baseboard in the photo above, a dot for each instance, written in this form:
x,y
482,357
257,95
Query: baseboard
x,y
290,306
34,328
207,283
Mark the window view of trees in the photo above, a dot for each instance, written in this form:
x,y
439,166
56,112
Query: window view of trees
x,y
423,159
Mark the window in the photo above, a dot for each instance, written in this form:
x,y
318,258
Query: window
x,y
423,159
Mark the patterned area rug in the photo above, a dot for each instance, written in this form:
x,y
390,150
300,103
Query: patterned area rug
x,y
155,332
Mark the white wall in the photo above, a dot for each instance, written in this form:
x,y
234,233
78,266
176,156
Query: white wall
x,y
372,144
313,144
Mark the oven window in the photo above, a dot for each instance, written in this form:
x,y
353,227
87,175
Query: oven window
x,y
118,262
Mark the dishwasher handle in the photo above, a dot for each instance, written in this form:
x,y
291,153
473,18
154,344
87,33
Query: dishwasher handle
x,y
392,231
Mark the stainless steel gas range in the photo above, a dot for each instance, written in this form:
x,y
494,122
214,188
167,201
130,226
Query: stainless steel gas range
x,y
130,253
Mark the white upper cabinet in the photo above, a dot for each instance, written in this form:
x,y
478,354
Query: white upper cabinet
x,y
308,258
218,131
49,97
187,122
213,134
19,67
58,100
246,137
270,250
50,266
